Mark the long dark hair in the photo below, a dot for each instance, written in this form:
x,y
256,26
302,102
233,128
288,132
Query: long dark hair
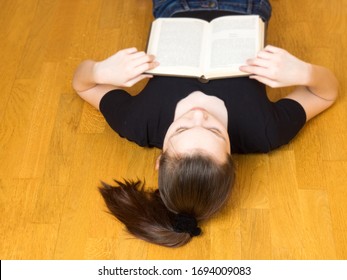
x,y
189,186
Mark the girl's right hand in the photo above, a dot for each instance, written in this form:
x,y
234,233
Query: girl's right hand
x,y
125,68
276,67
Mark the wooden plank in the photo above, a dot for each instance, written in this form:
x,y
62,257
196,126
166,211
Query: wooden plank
x,y
54,148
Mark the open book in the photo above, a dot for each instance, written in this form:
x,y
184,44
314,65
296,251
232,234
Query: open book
x,y
196,48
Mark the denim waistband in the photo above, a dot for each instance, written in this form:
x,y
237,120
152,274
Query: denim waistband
x,y
166,8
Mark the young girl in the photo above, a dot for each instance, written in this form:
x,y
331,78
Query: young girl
x,y
198,125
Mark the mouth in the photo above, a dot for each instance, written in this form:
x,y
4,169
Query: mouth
x,y
198,108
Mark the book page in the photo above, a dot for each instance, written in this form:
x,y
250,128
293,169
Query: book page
x,y
177,44
233,40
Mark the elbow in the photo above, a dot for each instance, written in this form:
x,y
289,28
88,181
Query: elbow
x,y
335,89
75,85
83,77
77,92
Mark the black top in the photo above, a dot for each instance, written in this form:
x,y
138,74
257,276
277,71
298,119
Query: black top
x,y
255,124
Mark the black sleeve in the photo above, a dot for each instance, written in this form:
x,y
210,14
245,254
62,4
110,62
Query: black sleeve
x,y
116,108
136,118
288,119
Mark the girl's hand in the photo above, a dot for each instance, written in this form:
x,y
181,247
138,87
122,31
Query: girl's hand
x,y
276,67
125,68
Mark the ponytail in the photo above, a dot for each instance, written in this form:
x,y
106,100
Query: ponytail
x,y
143,213
191,188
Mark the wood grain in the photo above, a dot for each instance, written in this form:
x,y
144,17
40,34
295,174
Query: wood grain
x,y
55,149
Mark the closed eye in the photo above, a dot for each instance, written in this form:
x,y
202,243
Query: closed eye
x,y
214,130
180,129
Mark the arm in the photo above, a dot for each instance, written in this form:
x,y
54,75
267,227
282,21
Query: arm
x,y
317,87
92,80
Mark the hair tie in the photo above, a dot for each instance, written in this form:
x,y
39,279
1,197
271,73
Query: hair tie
x,y
186,223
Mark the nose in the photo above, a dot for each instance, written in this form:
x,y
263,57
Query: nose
x,y
199,116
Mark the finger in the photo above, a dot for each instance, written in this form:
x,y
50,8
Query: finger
x,y
137,55
272,49
264,54
258,62
130,50
145,67
245,68
256,70
153,65
142,60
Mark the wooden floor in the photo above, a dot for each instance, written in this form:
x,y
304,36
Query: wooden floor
x,y
54,148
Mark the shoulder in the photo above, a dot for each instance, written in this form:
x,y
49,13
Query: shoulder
x,y
266,127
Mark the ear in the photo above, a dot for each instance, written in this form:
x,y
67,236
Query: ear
x,y
157,162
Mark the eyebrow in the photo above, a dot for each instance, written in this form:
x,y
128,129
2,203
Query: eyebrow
x,y
208,129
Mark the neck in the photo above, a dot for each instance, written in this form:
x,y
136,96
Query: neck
x,y
212,104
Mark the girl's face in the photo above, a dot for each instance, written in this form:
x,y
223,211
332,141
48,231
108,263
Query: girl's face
x,y
198,129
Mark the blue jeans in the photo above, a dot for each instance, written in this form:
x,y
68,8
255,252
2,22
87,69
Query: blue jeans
x,y
166,8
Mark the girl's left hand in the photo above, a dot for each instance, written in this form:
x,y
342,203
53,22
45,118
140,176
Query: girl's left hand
x,y
125,68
